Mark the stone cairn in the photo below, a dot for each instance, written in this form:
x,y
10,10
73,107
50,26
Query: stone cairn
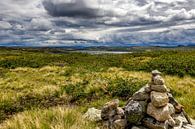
x,y
152,107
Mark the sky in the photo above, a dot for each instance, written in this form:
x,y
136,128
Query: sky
x,y
97,22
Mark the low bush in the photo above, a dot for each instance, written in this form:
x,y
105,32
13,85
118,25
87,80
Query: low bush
x,y
125,88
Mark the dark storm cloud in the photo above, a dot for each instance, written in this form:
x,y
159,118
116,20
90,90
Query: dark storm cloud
x,y
70,9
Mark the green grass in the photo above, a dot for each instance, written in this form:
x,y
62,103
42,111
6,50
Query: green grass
x,y
170,61
53,118
40,90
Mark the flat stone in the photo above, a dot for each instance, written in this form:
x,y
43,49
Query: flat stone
x,y
159,88
93,114
141,95
135,111
156,72
159,99
161,114
151,123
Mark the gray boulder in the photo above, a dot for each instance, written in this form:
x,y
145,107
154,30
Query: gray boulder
x,y
135,111
142,94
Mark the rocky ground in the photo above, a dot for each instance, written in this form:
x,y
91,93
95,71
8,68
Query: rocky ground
x,y
152,107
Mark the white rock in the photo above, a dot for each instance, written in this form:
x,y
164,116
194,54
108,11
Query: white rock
x,y
93,114
155,72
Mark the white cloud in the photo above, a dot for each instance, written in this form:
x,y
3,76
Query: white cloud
x,y
97,21
5,25
21,8
123,12
40,24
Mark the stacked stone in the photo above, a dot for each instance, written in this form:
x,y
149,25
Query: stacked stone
x,y
152,107
159,107
113,115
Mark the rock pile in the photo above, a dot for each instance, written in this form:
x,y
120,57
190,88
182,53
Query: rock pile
x,y
156,107
159,107
152,107
113,115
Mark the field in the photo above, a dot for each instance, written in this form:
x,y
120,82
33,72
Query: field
x,y
52,88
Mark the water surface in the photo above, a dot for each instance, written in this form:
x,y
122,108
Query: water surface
x,y
103,52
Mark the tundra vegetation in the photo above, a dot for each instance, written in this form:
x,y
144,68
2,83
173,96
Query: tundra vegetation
x,y
48,89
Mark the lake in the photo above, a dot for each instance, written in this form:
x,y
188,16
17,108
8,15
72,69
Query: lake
x,y
103,52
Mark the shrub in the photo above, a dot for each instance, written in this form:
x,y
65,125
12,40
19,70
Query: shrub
x,y
76,91
125,88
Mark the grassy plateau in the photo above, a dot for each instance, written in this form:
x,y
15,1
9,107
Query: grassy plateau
x,y
52,88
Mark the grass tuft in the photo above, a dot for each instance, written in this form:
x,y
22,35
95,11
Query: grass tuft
x,y
53,118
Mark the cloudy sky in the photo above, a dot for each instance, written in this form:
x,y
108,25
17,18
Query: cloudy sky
x,y
97,22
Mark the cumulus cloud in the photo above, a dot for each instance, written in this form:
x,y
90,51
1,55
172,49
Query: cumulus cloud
x,y
97,22
5,25
123,11
40,24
